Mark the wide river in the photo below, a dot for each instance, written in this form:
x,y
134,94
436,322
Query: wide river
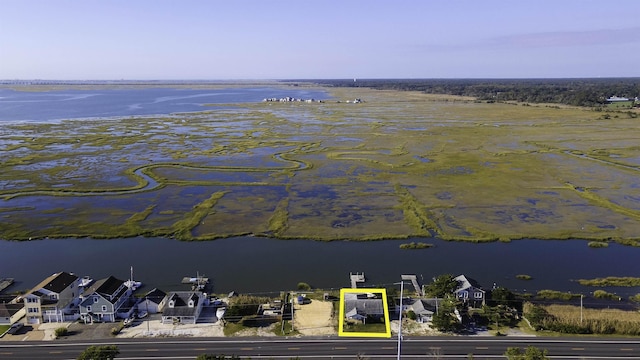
x,y
249,264
252,264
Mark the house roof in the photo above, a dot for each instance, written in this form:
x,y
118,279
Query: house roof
x,y
8,310
180,308
365,306
56,282
425,306
156,296
464,283
105,286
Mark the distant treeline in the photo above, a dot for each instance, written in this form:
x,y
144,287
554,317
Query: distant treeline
x,y
578,92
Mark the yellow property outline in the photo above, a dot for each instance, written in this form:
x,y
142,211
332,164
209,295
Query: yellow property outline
x,y
385,306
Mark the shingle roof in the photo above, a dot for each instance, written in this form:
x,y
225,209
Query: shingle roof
x,y
180,308
365,306
8,310
155,295
105,286
56,282
465,283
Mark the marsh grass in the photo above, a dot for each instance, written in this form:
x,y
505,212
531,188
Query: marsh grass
x,y
611,281
401,164
566,318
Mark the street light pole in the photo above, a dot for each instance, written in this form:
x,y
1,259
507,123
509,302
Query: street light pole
x,y
400,319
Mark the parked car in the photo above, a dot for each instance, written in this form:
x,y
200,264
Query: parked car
x,y
142,314
15,328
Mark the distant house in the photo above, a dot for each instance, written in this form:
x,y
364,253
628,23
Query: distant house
x,y
617,99
153,301
55,299
10,313
359,307
470,292
106,300
183,307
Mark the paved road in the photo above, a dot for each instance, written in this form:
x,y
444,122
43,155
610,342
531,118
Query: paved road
x,y
326,348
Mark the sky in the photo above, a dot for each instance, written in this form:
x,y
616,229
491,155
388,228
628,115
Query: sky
x,y
314,39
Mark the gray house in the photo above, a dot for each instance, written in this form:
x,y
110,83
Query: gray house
x,y
358,307
106,300
183,307
470,292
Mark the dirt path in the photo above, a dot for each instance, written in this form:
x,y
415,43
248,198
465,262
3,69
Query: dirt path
x,y
314,318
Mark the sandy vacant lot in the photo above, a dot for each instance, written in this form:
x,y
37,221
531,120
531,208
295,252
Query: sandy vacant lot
x,y
315,318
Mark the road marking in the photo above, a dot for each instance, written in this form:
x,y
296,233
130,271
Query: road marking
x,y
577,348
151,349
482,348
388,347
246,349
6,353
626,349
55,352
435,348
201,349
340,348
293,348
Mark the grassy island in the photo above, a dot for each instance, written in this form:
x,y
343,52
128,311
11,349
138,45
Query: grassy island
x,y
395,166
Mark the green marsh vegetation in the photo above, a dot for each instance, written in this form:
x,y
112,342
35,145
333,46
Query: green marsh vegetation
x,y
399,165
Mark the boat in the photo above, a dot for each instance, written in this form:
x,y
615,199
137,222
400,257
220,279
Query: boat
x,y
131,284
85,281
198,283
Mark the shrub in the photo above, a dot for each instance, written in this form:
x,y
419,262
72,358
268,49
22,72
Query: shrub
x,y
61,331
524,277
597,244
601,294
304,286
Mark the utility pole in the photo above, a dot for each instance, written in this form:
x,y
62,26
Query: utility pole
x,y
400,320
581,296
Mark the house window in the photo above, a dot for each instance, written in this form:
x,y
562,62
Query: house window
x,y
88,308
95,299
478,295
104,308
32,300
32,310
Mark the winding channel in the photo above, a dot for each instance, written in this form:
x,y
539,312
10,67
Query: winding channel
x,y
148,182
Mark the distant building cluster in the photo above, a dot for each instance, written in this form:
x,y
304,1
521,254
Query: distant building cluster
x,y
290,99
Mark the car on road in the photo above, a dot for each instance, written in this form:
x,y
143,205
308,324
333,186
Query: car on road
x,y
15,328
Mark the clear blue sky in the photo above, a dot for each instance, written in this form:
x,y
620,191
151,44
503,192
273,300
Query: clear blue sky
x,y
274,39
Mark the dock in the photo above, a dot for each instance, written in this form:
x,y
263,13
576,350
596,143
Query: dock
x,y
5,283
356,278
414,281
197,283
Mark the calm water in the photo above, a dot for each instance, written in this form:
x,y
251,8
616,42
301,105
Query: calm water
x,y
250,264
72,104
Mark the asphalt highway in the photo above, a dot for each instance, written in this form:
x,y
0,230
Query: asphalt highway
x,y
331,348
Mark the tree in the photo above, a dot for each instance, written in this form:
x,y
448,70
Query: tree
x,y
216,357
445,319
442,286
105,352
531,353
502,296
